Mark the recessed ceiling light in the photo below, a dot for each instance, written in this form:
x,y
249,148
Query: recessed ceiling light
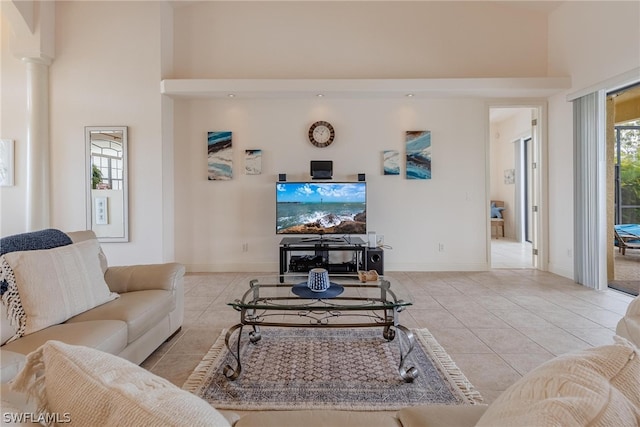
x,y
231,95
320,95
409,95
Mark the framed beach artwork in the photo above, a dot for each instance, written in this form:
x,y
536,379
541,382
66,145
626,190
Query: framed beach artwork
x,y
253,162
219,156
391,162
418,146
6,162
509,176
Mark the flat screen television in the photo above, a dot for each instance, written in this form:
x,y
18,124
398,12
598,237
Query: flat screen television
x,y
321,208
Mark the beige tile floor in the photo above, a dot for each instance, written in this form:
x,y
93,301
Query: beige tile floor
x,y
507,253
496,325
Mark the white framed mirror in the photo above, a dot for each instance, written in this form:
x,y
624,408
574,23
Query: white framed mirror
x,y
107,183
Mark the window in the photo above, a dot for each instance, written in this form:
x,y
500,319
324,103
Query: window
x,y
106,159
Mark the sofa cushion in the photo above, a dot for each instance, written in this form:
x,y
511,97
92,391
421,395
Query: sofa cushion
x,y
10,364
7,328
317,418
100,389
50,286
629,326
81,236
496,211
441,415
106,335
596,387
140,310
16,410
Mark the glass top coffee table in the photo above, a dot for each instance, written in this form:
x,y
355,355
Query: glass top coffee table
x,y
286,301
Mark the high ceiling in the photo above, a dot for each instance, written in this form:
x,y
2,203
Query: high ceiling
x,y
538,6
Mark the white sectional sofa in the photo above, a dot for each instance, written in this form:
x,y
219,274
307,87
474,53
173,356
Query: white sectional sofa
x,y
597,387
148,309
72,372
629,325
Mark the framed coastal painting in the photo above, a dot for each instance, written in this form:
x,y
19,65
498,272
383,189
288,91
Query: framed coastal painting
x,y
418,161
219,156
253,162
6,162
509,176
391,162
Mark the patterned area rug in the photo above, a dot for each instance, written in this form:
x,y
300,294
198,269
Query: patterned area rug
x,y
350,369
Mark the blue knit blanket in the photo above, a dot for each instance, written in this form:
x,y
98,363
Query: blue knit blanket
x,y
36,240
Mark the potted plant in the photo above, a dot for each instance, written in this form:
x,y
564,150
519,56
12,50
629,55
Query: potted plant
x,y
96,177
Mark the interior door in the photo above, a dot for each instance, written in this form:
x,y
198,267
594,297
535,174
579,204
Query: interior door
x,y
528,190
528,203
533,189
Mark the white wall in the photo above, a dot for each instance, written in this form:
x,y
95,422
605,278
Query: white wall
x,y
341,39
110,60
107,72
592,42
13,109
215,218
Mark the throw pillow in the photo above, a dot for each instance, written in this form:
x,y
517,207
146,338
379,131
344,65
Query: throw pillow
x,y
47,287
496,211
7,329
595,387
99,389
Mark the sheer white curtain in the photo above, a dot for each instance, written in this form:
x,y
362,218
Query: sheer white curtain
x,y
590,237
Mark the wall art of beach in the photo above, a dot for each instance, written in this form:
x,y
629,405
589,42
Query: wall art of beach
x,y
418,145
219,156
253,162
391,162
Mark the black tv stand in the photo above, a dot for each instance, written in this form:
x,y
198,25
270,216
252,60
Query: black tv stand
x,y
320,247
322,239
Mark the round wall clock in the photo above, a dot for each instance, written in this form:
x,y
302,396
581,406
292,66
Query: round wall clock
x,y
321,134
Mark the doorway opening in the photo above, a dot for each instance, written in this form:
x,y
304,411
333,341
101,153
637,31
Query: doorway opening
x,y
623,152
513,170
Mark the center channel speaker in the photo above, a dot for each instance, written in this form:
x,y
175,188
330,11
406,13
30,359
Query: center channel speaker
x,y
375,260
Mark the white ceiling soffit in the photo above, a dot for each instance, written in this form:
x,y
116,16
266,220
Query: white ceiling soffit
x,y
542,6
534,87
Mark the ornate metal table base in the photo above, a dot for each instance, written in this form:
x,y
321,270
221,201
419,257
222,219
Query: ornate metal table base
x,y
361,305
254,336
405,340
411,373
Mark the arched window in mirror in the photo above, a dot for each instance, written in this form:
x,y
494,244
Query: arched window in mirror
x,y
107,199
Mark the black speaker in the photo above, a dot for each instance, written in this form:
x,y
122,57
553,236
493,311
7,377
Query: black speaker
x,y
321,169
375,260
282,177
360,177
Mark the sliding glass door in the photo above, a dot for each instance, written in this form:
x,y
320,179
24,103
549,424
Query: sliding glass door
x,y
627,174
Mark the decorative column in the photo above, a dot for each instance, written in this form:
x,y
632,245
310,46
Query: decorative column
x,y
37,186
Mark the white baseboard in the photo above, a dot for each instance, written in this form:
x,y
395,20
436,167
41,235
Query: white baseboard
x,y
273,267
